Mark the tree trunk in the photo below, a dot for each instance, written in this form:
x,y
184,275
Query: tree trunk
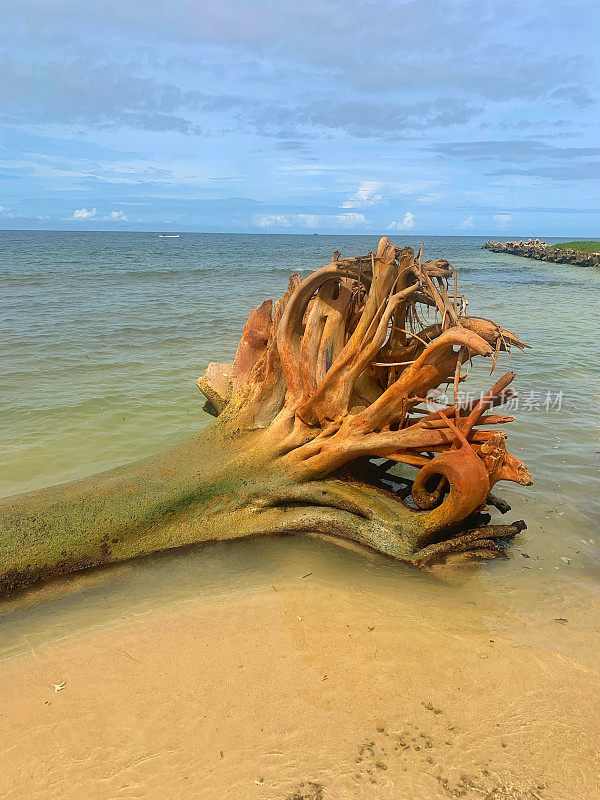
x,y
327,381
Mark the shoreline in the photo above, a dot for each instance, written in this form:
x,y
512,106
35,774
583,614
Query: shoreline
x,y
539,250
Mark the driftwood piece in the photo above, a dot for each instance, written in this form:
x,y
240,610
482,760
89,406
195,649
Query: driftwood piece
x,y
329,380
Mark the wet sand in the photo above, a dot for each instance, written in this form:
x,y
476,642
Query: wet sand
x,y
359,680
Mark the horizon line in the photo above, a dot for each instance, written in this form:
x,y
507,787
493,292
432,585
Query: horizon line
x,y
274,233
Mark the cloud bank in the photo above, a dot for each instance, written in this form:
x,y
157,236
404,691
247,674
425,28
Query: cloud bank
x,y
262,116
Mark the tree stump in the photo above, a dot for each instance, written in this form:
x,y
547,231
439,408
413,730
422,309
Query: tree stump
x,y
333,386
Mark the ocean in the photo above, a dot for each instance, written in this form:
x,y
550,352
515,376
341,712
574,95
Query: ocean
x,y
105,334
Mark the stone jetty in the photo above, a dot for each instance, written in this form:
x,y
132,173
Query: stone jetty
x,y
536,248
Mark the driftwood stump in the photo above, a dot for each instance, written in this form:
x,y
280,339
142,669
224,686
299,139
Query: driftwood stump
x,y
332,387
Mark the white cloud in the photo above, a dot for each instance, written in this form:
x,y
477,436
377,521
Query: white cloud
x,y
467,223
84,213
430,198
116,216
350,220
309,220
366,195
272,221
6,212
502,220
407,223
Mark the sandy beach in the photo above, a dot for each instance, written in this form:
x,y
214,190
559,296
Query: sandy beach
x,y
374,684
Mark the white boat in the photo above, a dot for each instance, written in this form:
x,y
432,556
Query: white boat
x,y
168,236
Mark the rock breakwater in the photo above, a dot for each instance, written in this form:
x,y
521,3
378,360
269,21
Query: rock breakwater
x,y
536,248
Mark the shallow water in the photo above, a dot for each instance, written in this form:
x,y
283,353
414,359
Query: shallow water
x,y
103,337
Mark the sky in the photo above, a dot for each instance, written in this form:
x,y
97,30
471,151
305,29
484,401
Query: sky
x,y
443,118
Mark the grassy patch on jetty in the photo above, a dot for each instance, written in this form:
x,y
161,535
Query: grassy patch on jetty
x,y
581,247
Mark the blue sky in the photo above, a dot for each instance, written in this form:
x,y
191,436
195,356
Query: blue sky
x,y
285,117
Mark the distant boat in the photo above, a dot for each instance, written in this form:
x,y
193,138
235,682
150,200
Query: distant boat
x,y
168,236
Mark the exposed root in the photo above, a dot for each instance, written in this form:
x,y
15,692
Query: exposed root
x,y
485,538
359,358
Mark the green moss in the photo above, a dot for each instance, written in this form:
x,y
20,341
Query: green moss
x,y
590,246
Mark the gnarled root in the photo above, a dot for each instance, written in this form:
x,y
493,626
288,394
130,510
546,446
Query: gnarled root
x,y
484,541
357,359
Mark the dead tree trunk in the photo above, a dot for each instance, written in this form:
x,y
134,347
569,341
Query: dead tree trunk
x,y
331,388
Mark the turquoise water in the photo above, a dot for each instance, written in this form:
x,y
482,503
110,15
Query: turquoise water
x,y
104,335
